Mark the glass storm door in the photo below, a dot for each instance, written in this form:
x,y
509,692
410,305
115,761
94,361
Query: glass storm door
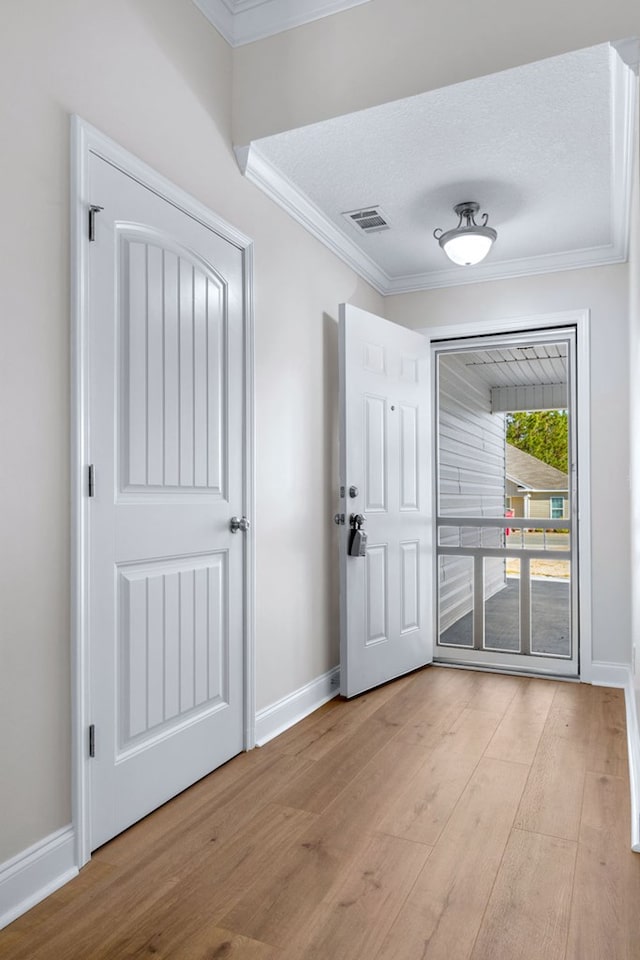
x,y
506,502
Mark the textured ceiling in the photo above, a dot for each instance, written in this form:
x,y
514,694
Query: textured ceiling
x,y
536,146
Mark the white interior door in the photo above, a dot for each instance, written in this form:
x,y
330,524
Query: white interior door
x,y
166,438
385,438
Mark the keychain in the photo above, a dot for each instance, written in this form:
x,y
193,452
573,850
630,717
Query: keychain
x,y
358,543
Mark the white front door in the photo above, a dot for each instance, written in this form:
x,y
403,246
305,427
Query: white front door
x,y
385,595
166,438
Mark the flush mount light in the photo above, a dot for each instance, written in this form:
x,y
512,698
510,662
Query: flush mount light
x,y
467,244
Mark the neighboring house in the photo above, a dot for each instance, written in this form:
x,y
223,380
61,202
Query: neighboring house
x,y
533,488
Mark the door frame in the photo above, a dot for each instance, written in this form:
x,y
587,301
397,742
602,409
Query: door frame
x,y
86,140
580,321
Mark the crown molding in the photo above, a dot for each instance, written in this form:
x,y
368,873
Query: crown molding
x,y
220,16
297,204
260,171
243,21
624,85
507,269
271,181
629,51
279,188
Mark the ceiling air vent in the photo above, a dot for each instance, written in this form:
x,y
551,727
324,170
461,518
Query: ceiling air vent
x,y
367,220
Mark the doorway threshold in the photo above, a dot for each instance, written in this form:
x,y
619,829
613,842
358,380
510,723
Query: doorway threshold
x,y
485,668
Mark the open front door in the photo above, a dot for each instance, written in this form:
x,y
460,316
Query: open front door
x,y
385,442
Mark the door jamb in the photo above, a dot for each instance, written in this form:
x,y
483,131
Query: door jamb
x,y
580,319
87,140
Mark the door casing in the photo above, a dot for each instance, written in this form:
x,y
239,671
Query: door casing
x,y
580,320
87,140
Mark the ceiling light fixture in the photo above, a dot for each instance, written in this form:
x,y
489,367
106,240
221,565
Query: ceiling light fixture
x,y
468,244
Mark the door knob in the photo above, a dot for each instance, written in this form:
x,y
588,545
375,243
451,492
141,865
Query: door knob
x,y
239,523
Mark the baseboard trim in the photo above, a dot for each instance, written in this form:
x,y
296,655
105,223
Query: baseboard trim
x,y
603,674
35,873
281,715
633,746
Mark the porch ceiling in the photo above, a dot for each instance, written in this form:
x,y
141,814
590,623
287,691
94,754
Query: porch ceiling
x,y
529,365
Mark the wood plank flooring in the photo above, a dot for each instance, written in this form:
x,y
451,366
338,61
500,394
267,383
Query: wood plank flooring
x,y
450,815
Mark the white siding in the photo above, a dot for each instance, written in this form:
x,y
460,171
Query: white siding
x,y
471,480
538,396
540,506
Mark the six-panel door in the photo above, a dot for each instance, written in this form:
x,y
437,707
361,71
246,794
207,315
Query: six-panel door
x,y
385,430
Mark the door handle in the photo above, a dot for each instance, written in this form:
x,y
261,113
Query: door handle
x,y
239,523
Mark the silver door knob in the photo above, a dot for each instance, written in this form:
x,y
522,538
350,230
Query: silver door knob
x,y
239,523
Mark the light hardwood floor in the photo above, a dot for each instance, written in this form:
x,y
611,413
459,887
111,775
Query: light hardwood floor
x,y
449,815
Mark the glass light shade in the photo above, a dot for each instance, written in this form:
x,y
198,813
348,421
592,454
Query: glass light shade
x,y
465,248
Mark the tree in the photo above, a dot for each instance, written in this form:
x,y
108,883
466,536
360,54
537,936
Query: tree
x,y
544,434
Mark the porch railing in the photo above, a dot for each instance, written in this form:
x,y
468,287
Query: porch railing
x,y
532,539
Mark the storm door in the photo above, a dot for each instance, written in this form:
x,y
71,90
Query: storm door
x,y
506,502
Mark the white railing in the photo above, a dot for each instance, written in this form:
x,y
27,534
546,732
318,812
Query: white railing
x,y
537,537
532,539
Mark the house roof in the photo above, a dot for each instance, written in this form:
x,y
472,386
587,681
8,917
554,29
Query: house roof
x,y
533,474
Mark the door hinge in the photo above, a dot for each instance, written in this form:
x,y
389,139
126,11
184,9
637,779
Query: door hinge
x,y
92,740
91,481
93,209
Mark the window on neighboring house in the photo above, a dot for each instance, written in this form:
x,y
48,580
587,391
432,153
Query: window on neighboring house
x,y
557,508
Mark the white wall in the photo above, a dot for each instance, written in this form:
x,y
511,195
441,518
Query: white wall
x,y
155,76
389,49
604,291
